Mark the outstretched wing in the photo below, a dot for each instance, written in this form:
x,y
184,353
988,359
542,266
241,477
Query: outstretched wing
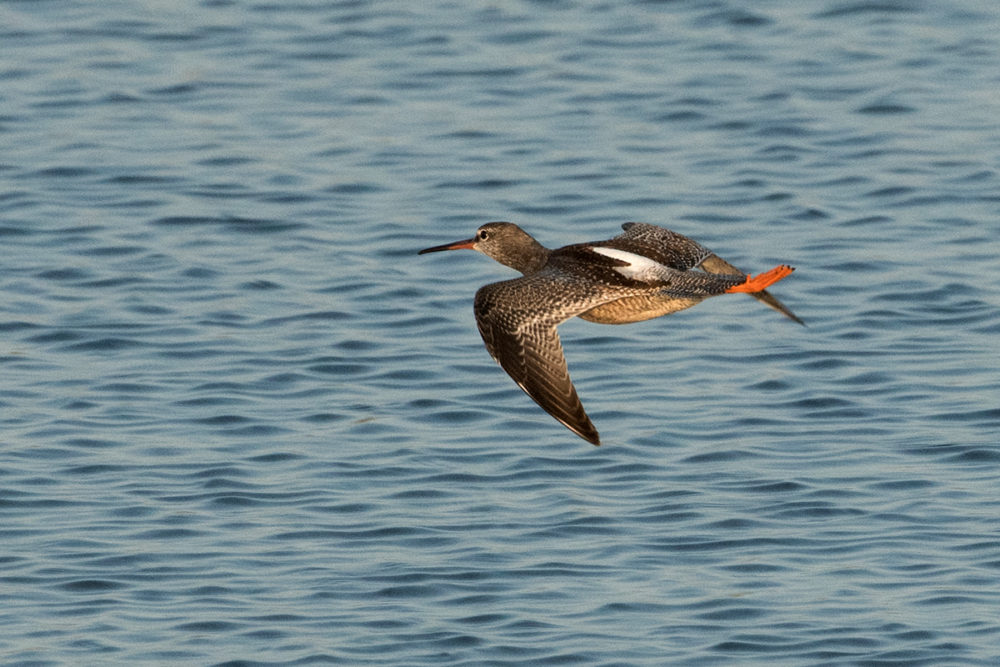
x,y
517,320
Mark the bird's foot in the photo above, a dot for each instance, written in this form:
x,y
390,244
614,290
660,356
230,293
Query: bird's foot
x,y
762,281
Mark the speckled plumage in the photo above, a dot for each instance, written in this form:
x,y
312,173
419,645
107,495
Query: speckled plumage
x,y
638,275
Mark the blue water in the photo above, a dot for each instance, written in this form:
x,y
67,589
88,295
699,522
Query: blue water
x,y
244,423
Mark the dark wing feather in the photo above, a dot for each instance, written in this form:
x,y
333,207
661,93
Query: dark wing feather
x,y
534,359
517,320
661,245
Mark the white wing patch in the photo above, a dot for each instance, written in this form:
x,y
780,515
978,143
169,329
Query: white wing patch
x,y
639,267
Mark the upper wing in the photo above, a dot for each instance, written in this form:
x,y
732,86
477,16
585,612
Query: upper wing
x,y
680,252
662,245
667,279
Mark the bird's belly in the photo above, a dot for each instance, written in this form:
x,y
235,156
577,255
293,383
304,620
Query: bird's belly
x,y
637,308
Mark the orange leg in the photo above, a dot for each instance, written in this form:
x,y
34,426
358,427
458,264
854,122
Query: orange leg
x,y
763,281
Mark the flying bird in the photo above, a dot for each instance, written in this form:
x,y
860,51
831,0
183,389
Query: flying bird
x,y
644,273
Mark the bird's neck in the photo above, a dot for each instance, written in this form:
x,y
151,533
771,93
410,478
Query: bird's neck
x,y
529,257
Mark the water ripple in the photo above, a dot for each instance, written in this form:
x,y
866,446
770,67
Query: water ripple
x,y
239,412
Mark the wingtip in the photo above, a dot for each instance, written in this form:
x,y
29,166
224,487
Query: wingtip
x,y
585,431
582,426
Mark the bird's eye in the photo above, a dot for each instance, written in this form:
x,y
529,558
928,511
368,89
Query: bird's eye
x,y
483,234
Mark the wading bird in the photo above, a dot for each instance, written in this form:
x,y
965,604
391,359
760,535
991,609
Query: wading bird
x,y
641,274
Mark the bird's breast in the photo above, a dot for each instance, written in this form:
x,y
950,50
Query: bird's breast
x,y
637,308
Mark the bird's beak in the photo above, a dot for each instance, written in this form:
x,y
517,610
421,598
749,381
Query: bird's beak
x,y
468,244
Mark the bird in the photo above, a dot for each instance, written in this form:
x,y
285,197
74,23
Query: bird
x,y
643,273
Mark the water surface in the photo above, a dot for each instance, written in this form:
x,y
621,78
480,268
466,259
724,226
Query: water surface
x,y
243,423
